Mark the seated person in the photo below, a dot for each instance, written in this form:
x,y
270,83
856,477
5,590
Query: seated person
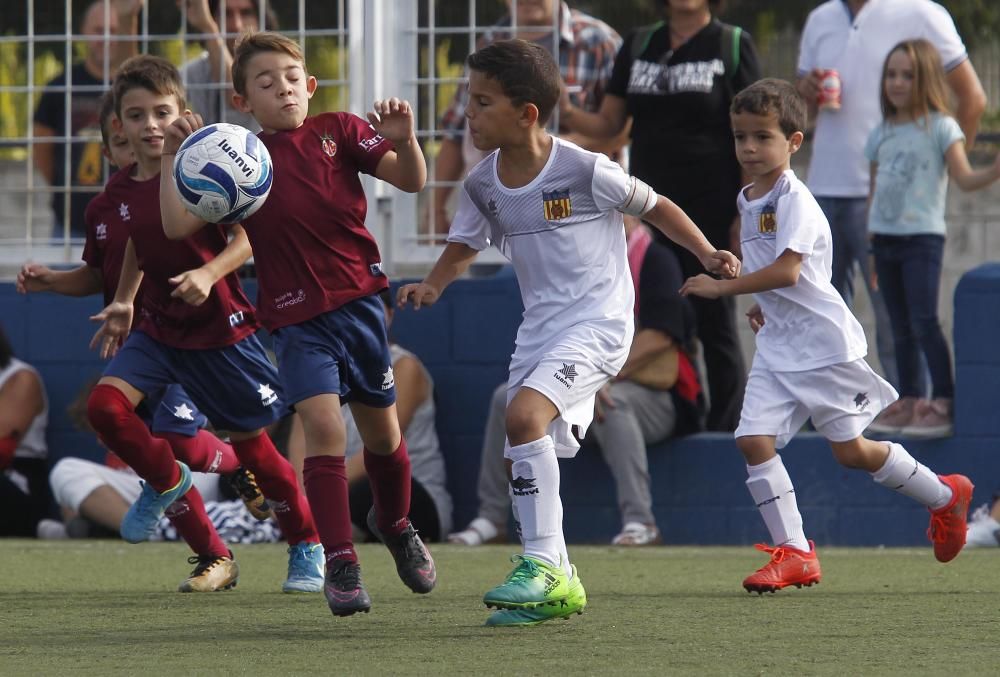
x,y
430,503
24,415
655,396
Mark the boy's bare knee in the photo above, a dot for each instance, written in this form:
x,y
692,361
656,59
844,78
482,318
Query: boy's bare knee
x,y
756,449
860,453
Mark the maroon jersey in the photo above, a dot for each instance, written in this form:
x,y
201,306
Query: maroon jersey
x,y
225,318
105,245
311,248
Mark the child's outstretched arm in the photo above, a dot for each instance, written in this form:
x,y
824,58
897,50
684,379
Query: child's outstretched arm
x,y
784,272
405,167
195,286
454,260
967,178
678,226
116,318
178,222
82,281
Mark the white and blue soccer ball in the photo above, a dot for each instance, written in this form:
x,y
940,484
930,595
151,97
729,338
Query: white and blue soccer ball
x,y
223,173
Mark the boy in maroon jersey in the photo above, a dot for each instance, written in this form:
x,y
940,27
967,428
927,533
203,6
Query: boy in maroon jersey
x,y
197,329
320,271
170,414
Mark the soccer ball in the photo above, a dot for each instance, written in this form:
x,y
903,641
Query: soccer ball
x,y
223,173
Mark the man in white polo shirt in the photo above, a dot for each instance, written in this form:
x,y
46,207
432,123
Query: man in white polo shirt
x,y
854,37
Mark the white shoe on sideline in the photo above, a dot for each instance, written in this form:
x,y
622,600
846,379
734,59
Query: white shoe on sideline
x,y
50,530
636,534
984,531
479,531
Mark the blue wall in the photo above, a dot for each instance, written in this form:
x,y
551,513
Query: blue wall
x,y
466,340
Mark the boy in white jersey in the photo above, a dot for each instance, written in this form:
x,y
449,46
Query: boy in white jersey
x,y
555,210
810,351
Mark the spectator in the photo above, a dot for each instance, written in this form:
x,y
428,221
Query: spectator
x,y
208,77
586,50
854,37
24,415
984,526
430,503
676,79
86,81
912,152
655,396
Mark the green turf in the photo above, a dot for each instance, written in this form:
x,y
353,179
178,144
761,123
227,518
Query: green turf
x,y
100,607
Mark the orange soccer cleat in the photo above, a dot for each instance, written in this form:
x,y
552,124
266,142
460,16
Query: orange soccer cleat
x,y
788,566
948,527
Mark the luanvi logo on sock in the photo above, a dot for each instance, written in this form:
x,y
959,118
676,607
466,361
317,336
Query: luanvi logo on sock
x,y
523,486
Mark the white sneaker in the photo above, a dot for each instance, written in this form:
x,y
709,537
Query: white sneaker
x,y
479,531
984,531
637,533
49,529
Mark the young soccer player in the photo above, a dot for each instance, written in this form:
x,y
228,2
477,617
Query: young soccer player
x,y
810,349
555,210
169,413
320,272
197,329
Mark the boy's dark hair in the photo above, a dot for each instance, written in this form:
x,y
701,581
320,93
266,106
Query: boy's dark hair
x,y
773,96
525,71
152,73
107,110
252,44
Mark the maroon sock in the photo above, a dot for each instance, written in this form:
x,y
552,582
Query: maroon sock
x,y
204,452
188,515
325,478
390,482
114,419
277,482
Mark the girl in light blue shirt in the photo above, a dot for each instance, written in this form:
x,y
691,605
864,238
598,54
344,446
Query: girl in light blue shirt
x,y
913,151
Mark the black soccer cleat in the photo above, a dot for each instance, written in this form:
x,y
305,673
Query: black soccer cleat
x,y
414,563
345,593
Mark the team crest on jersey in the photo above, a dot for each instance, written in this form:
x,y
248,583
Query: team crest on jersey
x,y
329,145
556,204
767,222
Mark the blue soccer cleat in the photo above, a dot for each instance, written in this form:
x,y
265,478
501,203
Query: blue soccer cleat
x,y
306,564
141,519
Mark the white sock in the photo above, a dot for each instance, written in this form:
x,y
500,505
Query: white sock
x,y
903,473
772,491
535,494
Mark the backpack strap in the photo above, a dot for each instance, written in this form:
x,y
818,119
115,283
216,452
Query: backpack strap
x,y
641,37
729,48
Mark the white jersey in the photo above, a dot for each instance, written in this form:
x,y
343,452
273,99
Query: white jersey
x,y
32,444
807,325
566,241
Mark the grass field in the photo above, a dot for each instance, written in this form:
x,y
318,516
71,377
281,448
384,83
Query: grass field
x,y
102,607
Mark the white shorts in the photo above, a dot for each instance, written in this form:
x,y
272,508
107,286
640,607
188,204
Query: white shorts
x,y
74,479
570,379
841,399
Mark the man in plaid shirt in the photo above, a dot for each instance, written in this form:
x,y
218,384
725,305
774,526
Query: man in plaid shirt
x,y
586,53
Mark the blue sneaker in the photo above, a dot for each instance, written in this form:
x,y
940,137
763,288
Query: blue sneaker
x,y
141,518
306,564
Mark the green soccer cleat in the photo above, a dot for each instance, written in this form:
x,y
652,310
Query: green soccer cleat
x,y
532,583
574,603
